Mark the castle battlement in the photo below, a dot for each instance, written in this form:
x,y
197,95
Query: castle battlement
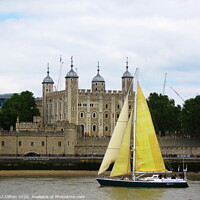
x,y
57,92
88,91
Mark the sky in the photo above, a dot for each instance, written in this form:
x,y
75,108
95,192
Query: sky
x,y
160,37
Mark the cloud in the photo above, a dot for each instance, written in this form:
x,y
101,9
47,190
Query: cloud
x,y
158,37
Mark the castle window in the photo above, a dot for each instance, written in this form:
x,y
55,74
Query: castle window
x,y
82,130
94,115
106,115
118,106
106,105
81,114
117,116
94,128
106,128
32,144
96,89
129,106
42,143
20,143
3,143
59,144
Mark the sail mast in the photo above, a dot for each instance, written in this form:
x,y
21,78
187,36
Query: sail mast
x,y
134,124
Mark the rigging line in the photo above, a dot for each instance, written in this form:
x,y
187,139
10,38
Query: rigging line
x,y
168,165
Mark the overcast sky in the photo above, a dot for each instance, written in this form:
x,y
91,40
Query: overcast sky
x,y
158,36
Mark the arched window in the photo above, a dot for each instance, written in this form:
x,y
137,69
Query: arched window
x,y
94,115
118,106
106,105
81,114
106,115
94,128
106,128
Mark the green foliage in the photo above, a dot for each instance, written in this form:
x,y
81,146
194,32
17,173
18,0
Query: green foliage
x,y
166,116
19,105
191,116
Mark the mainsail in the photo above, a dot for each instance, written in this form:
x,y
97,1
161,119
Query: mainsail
x,y
122,165
148,155
116,139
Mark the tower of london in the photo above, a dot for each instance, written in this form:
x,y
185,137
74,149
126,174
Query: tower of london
x,y
77,121
95,110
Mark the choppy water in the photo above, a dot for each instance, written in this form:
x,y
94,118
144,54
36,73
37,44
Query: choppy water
x,y
87,188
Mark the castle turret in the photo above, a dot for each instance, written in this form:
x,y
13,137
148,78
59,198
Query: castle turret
x,y
98,83
47,87
127,80
71,85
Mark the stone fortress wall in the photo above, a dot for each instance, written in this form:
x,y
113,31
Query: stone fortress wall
x,y
66,139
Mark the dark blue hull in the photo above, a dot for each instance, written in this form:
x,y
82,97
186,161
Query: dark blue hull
x,y
129,183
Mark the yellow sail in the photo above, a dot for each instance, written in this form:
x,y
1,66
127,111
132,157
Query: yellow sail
x,y
116,139
122,164
148,155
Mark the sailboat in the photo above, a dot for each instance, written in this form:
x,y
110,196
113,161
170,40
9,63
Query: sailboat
x,y
147,157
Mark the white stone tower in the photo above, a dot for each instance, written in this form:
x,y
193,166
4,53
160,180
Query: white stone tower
x,y
71,88
47,87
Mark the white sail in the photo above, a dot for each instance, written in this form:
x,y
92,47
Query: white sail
x,y
116,139
122,165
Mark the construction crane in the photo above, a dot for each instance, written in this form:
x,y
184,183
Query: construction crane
x,y
164,84
177,94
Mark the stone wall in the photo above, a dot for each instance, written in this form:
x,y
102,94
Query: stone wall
x,y
66,139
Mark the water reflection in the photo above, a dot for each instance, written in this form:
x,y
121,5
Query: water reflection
x,y
132,193
90,189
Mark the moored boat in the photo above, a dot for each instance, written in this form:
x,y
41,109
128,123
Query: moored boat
x,y
147,157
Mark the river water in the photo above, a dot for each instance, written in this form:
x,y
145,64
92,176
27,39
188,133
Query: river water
x,y
86,187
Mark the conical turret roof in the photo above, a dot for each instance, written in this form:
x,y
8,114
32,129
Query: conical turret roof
x,y
71,73
127,74
98,77
48,79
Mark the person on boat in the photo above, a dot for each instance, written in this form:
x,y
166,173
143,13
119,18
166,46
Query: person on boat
x,y
160,176
124,178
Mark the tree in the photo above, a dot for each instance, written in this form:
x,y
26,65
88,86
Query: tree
x,y
166,116
19,105
191,116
